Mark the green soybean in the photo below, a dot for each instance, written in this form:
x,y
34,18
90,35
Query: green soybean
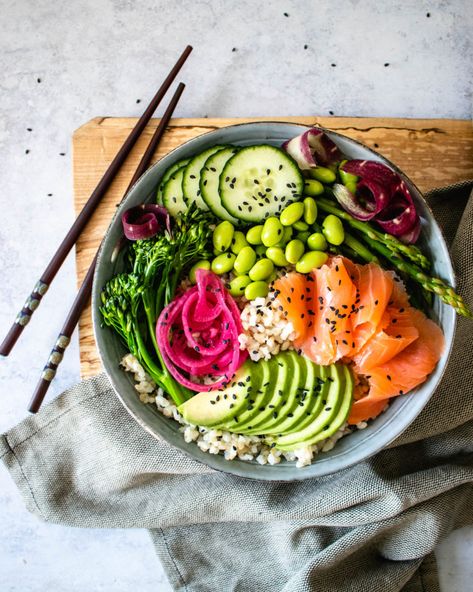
x,y
260,250
253,236
245,260
345,177
313,187
223,263
238,242
256,290
301,226
332,228
292,213
272,232
287,234
303,235
238,285
276,254
323,175
261,270
223,235
294,250
310,210
310,261
317,242
203,264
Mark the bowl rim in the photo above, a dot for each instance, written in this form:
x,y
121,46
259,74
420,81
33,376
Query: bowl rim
x,y
240,468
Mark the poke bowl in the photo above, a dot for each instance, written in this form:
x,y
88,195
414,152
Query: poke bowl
x,y
205,344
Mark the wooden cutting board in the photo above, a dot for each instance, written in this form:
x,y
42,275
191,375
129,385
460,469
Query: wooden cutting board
x,y
433,152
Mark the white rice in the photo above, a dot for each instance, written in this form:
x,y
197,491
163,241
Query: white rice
x,y
228,444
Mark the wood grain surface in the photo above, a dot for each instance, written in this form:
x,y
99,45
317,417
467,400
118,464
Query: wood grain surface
x,y
432,152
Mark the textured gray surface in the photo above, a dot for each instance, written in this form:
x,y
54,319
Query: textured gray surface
x,y
60,65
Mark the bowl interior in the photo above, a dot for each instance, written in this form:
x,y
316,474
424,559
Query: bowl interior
x,y
348,451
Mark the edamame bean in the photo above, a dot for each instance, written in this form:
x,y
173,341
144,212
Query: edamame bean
x,y
310,261
253,236
238,242
313,187
203,264
310,210
260,250
317,242
292,213
276,254
245,260
223,263
303,236
272,232
294,250
332,228
301,226
287,234
323,175
223,235
261,270
256,290
238,285
346,177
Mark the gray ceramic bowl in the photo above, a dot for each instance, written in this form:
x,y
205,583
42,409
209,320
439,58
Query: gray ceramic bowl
x,y
349,450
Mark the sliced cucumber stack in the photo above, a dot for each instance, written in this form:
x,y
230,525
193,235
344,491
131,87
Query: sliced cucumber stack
x,y
209,182
258,182
167,175
173,199
191,178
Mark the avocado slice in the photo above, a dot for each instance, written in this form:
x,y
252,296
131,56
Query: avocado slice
x,y
336,393
288,375
309,402
214,407
258,394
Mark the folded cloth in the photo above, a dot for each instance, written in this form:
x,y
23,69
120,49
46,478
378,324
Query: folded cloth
x,y
83,461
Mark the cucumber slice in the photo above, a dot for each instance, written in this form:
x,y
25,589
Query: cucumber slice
x,y
191,179
258,182
209,179
167,175
173,199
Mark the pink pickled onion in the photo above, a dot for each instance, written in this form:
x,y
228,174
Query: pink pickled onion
x,y
144,221
197,334
312,148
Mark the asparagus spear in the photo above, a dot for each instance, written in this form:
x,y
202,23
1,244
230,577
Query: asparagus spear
x,y
410,252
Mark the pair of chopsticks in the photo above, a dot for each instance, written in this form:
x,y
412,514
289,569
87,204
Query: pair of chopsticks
x,y
77,227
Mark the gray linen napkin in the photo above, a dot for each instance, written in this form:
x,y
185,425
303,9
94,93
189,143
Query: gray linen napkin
x,y
83,461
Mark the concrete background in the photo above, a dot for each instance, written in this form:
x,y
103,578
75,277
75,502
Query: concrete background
x,y
62,63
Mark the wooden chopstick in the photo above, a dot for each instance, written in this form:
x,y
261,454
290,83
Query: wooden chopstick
x,y
64,337
71,237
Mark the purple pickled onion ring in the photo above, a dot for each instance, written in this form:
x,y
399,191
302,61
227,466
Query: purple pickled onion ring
x,y
145,221
370,199
370,169
312,148
400,216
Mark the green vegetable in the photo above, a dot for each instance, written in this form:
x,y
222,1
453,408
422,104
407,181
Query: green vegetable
x,y
323,175
203,264
276,254
303,235
317,242
347,178
261,270
253,236
245,260
237,285
238,242
292,213
287,235
223,263
260,250
223,236
272,232
256,290
294,251
332,228
310,210
313,187
301,225
310,261
132,301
